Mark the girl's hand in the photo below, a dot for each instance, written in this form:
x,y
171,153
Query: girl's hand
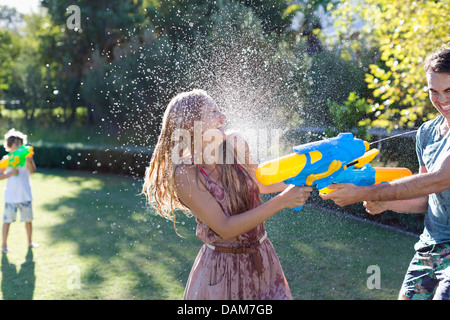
x,y
295,196
375,207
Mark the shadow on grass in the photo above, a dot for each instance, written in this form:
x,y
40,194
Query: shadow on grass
x,y
111,223
326,255
18,285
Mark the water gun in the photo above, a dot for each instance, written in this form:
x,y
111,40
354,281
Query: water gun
x,y
16,158
324,162
368,175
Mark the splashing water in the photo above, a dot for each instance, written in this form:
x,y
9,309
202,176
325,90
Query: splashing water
x,y
254,79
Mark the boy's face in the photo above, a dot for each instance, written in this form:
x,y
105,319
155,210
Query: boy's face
x,y
439,90
14,146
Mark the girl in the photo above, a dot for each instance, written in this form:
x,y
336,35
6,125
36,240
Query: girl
x,y
191,170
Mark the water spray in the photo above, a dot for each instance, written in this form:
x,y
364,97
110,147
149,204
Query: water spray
x,y
394,136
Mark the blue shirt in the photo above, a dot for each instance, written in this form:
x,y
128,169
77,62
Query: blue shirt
x,y
432,149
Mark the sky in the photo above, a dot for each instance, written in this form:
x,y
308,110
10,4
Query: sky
x,y
23,6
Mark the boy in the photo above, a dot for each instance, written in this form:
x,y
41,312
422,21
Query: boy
x,y
428,276
18,189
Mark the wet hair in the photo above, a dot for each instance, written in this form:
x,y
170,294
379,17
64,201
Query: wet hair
x,y
14,137
438,61
159,185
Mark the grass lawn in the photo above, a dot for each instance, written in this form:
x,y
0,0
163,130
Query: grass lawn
x,y
98,240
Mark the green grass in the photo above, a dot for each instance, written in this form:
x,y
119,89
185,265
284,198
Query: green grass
x,y
98,240
326,255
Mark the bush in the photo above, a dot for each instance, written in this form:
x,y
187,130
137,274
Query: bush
x,y
349,116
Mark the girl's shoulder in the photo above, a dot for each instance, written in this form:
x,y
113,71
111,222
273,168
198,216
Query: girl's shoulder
x,y
184,169
187,175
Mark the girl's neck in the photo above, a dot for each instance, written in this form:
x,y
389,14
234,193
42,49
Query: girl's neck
x,y
209,168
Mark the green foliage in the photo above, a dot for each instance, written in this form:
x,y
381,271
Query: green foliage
x,y
130,57
329,78
9,45
6,57
350,116
405,33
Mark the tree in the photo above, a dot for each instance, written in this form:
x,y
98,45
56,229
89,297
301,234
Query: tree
x,y
9,18
186,20
310,22
29,72
405,32
105,25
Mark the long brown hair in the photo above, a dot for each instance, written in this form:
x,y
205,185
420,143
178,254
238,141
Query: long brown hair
x,y
159,185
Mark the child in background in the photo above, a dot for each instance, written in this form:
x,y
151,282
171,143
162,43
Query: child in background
x,y
18,190
237,260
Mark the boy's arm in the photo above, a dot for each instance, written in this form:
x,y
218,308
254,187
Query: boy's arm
x,y
31,166
4,175
417,205
416,186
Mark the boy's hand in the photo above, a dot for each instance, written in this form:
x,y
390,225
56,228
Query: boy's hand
x,y
374,207
344,194
30,164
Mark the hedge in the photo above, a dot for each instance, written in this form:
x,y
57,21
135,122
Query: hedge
x,y
127,160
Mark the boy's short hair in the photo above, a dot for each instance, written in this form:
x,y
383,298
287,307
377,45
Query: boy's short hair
x,y
12,137
438,61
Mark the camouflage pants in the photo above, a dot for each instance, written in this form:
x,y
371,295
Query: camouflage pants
x,y
428,275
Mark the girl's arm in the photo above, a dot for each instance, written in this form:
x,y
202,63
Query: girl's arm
x,y
205,207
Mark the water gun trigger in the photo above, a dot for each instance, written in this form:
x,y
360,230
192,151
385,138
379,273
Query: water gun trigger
x,y
334,166
326,190
365,158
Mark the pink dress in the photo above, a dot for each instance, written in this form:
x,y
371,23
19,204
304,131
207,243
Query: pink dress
x,y
227,276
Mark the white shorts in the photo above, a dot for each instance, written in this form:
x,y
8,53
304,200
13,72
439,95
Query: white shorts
x,y
26,212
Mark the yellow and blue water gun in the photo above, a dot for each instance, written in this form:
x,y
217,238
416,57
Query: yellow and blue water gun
x,y
339,159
